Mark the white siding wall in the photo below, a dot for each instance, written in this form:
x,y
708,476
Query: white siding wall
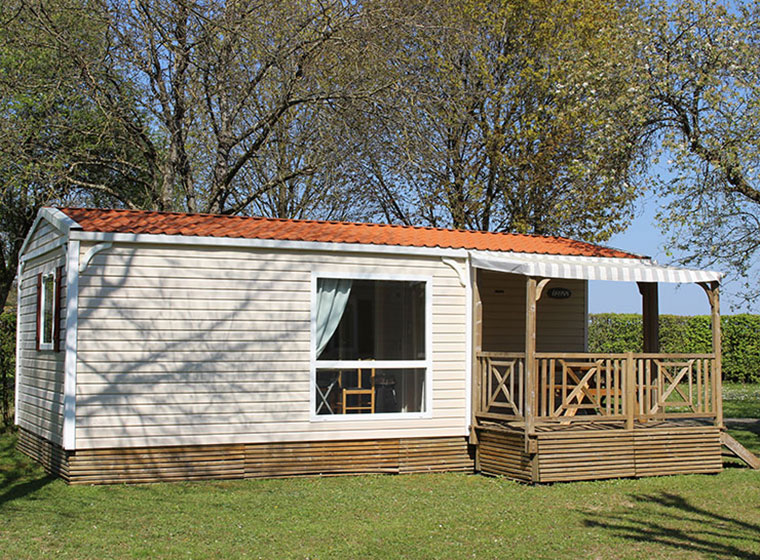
x,y
184,345
45,235
40,398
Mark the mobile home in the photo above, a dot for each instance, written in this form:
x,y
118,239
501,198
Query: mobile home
x,y
168,346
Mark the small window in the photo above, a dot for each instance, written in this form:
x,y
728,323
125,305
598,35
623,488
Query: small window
x,y
47,312
370,346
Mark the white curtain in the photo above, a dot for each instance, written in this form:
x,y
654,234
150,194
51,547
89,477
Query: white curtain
x,y
332,297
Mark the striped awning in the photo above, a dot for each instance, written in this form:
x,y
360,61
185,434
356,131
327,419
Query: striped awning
x,y
588,268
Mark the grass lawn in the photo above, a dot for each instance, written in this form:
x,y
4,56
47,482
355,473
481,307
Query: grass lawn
x,y
413,516
741,400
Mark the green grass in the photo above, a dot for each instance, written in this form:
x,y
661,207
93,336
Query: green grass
x,y
741,400
414,516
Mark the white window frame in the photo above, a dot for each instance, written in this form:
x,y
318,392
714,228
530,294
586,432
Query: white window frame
x,y
426,364
49,273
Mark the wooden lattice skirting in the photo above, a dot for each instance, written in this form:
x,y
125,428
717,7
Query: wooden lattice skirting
x,y
260,460
596,454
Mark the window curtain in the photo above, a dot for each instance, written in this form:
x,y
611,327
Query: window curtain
x,y
332,297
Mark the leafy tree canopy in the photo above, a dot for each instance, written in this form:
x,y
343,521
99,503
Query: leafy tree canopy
x,y
518,115
701,82
512,116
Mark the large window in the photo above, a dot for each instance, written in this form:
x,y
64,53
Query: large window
x,y
370,343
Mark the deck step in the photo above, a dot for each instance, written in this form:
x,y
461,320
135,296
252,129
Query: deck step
x,y
739,451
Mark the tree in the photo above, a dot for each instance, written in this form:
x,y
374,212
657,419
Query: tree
x,y
273,79
56,145
701,62
513,116
211,94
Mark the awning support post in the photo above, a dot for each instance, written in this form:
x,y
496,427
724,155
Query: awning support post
x,y
712,289
534,288
530,356
650,316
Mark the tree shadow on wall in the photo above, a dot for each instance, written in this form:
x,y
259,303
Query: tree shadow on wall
x,y
672,521
175,352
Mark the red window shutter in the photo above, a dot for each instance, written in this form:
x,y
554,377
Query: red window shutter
x,y
57,310
39,312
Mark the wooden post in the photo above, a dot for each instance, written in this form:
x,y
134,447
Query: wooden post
x,y
713,294
630,390
530,358
650,316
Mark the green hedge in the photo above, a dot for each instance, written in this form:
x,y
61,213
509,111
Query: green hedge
x,y
7,366
613,332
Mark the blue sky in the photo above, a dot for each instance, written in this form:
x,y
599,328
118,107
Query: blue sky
x,y
644,237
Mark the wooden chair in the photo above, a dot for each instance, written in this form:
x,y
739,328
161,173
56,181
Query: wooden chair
x,y
359,393
327,396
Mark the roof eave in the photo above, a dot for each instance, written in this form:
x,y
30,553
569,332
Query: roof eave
x,y
166,239
244,242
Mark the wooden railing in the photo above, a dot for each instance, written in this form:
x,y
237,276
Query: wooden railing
x,y
584,387
590,384
501,385
670,385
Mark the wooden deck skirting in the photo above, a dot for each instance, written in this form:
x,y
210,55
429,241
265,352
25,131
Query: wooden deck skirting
x,y
585,453
502,452
258,460
51,456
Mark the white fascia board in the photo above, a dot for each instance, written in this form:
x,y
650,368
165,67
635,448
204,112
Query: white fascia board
x,y
237,242
58,219
17,391
469,359
29,235
70,357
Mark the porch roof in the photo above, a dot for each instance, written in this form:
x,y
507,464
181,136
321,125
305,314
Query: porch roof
x,y
588,268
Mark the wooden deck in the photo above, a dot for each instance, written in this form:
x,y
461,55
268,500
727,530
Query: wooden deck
x,y
592,416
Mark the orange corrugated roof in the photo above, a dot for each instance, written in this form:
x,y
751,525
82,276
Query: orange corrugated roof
x,y
213,225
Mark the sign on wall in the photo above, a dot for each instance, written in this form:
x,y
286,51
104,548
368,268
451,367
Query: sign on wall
x,y
559,293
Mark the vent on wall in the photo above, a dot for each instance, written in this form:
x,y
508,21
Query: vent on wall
x,y
559,293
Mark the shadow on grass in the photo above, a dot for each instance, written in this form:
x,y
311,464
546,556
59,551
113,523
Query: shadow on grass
x,y
670,520
744,424
18,489
19,476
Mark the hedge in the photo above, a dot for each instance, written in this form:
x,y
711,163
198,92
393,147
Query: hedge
x,y
7,365
614,332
